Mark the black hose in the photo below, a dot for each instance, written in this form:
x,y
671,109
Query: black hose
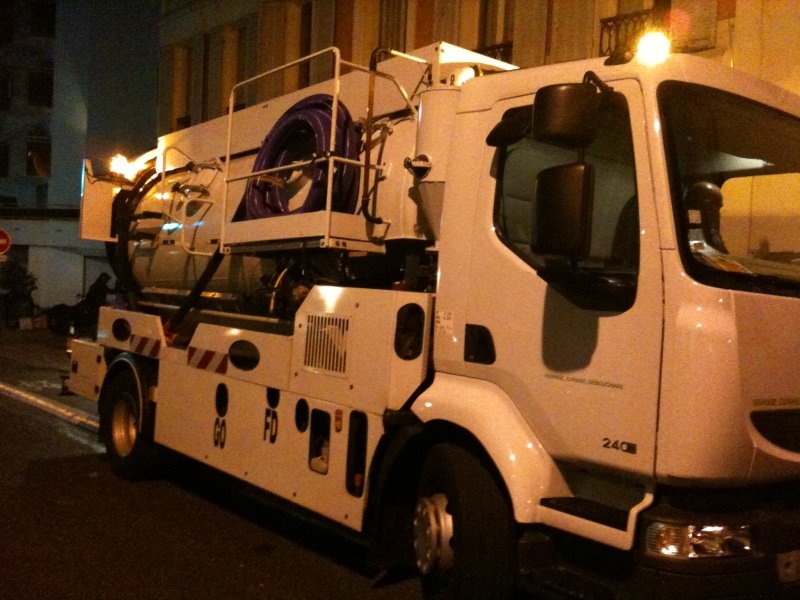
x,y
123,210
190,301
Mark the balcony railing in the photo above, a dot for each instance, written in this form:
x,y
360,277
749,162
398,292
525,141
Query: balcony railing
x,y
502,51
619,34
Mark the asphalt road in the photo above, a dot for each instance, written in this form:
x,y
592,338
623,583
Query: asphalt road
x,y
70,529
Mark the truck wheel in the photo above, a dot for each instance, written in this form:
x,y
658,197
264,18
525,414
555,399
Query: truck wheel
x,y
126,428
463,528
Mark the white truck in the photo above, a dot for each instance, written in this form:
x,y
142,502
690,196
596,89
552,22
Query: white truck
x,y
538,330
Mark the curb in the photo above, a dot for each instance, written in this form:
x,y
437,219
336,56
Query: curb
x,y
65,413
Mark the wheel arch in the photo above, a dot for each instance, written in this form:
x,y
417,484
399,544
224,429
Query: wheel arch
x,y
398,461
395,474
489,417
143,373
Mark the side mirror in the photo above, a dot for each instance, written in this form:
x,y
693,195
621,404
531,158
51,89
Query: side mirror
x,y
564,114
562,234
563,215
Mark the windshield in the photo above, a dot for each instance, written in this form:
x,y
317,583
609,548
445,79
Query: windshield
x,y
735,176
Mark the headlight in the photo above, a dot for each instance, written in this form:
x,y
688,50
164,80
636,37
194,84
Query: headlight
x,y
669,540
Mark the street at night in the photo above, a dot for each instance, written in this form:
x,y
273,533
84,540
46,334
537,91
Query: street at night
x,y
71,529
451,300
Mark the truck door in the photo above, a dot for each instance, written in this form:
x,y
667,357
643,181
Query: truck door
x,y
574,341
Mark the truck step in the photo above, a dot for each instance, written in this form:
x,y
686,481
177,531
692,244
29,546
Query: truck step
x,y
590,510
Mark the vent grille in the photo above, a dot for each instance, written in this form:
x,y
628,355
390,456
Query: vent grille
x,y
326,343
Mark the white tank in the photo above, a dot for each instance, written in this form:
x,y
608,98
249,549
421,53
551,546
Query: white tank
x,y
176,223
175,229
437,110
167,233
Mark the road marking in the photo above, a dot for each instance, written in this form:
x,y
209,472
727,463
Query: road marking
x,y
40,384
52,407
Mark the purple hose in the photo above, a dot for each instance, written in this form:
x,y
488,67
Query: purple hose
x,y
303,131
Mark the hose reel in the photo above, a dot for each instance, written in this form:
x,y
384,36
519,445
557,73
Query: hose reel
x,y
302,135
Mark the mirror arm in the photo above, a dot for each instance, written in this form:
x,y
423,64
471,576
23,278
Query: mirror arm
x,y
593,78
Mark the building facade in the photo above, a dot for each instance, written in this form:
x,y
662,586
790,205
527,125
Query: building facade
x,y
26,101
71,86
208,45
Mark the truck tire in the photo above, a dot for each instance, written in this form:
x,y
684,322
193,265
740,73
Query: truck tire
x,y
463,528
126,427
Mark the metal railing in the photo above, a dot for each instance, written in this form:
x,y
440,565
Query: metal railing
x,y
620,33
502,51
331,158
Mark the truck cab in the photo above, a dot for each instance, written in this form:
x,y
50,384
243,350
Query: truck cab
x,y
623,276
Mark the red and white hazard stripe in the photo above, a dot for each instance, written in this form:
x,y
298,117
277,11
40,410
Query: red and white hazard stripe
x,y
144,345
208,360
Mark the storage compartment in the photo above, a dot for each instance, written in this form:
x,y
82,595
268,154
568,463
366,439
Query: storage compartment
x,y
87,368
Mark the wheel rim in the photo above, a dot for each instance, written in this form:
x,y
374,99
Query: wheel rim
x,y
124,426
433,534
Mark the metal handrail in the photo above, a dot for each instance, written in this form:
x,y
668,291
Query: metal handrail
x,y
331,158
187,247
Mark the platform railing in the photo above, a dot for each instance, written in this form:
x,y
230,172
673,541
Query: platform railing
x,y
330,158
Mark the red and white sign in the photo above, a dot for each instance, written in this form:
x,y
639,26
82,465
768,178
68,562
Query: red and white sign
x,y
5,241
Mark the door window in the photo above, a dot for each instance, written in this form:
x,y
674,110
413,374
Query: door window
x,y
614,240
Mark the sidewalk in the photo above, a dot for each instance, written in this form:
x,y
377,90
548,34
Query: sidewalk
x,y
34,364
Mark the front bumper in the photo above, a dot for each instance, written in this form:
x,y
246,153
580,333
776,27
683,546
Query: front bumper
x,y
555,565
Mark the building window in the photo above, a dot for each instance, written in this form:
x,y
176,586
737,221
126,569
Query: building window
x,y
305,43
393,24
38,158
205,77
619,34
43,18
4,161
247,61
316,28
40,87
446,16
180,86
6,23
496,28
5,89
41,195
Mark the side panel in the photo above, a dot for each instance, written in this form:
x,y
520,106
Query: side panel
x,y
718,372
267,439
87,368
299,416
345,347
586,381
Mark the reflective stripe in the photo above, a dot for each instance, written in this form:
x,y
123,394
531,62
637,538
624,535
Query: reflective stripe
x,y
147,346
208,360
